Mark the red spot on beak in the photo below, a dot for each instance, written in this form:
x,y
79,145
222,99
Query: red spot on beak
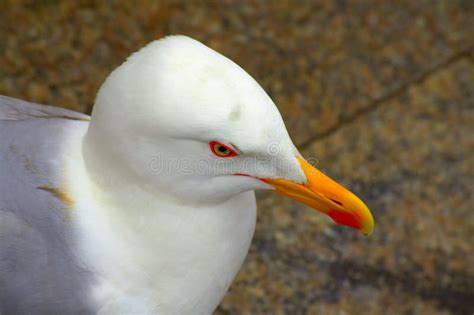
x,y
345,218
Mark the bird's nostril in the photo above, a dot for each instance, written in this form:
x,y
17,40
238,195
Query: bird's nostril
x,y
336,201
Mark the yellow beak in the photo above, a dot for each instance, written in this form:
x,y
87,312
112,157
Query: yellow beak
x,y
325,195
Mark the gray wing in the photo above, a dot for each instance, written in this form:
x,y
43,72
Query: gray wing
x,y
15,109
39,272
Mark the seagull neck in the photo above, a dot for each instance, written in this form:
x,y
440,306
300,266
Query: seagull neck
x,y
153,252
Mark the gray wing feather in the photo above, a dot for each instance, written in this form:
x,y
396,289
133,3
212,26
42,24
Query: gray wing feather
x,y
15,109
39,271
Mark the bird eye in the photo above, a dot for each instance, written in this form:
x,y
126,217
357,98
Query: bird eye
x,y
221,150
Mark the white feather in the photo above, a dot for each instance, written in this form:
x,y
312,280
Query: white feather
x,y
170,240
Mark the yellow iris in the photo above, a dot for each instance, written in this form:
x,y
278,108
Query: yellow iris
x,y
221,150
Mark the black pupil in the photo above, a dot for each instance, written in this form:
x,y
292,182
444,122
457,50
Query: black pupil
x,y
222,149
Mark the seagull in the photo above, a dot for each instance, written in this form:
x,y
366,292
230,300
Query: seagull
x,y
147,206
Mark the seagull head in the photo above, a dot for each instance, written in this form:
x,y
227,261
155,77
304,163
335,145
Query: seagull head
x,y
181,120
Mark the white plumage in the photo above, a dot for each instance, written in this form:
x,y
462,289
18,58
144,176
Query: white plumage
x,y
158,222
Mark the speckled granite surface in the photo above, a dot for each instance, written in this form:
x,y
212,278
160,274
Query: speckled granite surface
x,y
381,93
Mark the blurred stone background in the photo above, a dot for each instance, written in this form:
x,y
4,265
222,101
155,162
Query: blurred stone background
x,y
380,92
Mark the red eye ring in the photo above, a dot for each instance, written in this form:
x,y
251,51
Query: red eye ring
x,y
221,150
